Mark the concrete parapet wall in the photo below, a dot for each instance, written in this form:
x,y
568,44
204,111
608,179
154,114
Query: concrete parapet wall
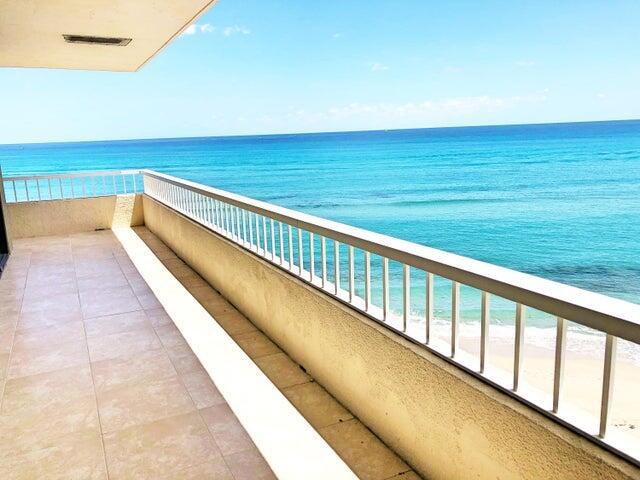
x,y
445,423
61,217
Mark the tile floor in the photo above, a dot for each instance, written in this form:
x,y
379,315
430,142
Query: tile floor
x,y
95,380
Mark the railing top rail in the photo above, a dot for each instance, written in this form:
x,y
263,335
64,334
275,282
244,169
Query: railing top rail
x,y
616,317
88,173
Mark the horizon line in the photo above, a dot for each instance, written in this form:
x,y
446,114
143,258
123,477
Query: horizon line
x,y
321,132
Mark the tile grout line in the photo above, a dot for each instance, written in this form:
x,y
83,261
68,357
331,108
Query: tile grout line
x,y
13,337
93,383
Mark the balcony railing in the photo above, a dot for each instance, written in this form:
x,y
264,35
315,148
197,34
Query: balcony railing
x,y
349,264
71,185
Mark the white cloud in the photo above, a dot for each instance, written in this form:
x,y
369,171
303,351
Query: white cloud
x,y
378,67
448,106
336,35
525,63
190,30
235,29
207,28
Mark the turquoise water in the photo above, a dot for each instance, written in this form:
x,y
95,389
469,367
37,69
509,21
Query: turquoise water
x,y
560,201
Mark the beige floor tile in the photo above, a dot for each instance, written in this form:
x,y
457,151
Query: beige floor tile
x,y
65,302
202,390
235,323
125,263
32,361
48,274
227,431
46,318
316,405
97,268
213,470
66,286
122,322
124,344
249,465
368,457
45,391
159,448
101,282
35,428
159,317
256,344
76,456
6,337
170,336
281,370
132,370
108,301
183,359
4,361
143,402
43,337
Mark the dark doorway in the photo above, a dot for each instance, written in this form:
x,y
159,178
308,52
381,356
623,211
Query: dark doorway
x,y
4,239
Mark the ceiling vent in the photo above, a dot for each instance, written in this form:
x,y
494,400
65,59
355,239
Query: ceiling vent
x,y
91,40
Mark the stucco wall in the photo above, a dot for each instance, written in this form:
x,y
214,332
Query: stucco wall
x,y
59,217
445,423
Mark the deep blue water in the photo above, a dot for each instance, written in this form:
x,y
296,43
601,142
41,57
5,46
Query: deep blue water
x,y
561,201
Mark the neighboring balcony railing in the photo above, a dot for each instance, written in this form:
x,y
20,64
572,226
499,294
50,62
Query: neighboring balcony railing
x,y
318,251
71,185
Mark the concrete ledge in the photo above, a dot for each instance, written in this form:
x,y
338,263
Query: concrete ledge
x,y
444,422
62,217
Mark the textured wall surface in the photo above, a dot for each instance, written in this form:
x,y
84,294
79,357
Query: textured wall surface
x,y
445,423
60,217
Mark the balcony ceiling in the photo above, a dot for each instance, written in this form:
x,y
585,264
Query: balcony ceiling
x,y
31,31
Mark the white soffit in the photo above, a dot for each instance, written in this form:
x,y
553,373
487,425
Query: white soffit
x,y
32,31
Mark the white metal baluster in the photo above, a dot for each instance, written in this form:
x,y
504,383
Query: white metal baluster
x,y
244,227
300,252
26,189
115,189
265,241
15,193
250,223
558,371
84,195
336,265
406,295
428,310
484,328
455,313
290,233
312,259
238,229
610,350
50,192
133,180
61,190
273,239
124,184
323,260
257,233
351,272
367,281
281,238
519,343
39,193
385,289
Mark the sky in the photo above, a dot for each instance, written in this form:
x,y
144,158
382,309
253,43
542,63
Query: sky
x,y
283,66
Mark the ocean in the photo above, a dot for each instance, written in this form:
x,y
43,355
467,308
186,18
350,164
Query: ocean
x,y
561,201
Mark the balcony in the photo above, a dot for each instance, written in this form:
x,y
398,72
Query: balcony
x,y
157,328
